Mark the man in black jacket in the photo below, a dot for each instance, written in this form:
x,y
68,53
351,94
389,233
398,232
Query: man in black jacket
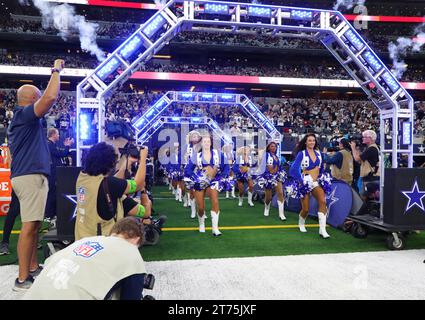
x,y
56,160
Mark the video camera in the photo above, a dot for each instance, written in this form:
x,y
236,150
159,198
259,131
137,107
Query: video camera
x,y
131,150
357,138
333,145
153,231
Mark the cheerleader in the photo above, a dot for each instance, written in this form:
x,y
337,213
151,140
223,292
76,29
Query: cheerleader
x,y
207,172
164,160
193,140
175,168
310,179
272,176
243,172
228,152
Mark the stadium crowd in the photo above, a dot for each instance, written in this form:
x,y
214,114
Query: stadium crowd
x,y
235,66
378,36
289,115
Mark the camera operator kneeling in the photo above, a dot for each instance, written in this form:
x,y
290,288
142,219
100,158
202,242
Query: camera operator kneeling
x,y
341,162
96,268
101,197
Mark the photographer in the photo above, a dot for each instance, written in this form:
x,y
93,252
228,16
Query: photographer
x,y
368,159
341,162
100,196
96,268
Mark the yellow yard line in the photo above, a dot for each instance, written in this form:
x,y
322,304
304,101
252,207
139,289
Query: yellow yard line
x,y
289,226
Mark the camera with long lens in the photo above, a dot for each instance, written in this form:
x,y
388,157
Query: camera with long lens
x,y
356,138
131,150
153,231
333,145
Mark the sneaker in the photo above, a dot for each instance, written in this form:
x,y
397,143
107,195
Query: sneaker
x,y
36,272
4,248
23,286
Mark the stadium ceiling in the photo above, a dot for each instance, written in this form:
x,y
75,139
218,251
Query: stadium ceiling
x,y
329,27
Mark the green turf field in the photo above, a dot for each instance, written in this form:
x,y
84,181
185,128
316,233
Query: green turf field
x,y
190,244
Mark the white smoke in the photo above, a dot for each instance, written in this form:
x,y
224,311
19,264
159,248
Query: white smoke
x,y
63,18
399,49
160,3
347,4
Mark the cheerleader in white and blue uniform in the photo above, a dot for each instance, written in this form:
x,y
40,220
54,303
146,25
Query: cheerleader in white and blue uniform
x,y
310,179
243,169
193,140
208,173
175,169
228,151
164,160
272,176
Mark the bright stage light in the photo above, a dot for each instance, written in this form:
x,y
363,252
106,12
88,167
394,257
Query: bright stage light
x,y
151,113
140,123
160,105
108,68
355,40
132,45
407,133
390,81
157,125
226,98
259,11
372,60
269,127
206,97
216,8
252,107
154,25
186,96
84,126
301,15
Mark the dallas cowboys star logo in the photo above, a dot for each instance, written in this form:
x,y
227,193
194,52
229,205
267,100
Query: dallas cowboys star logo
x,y
332,198
415,198
73,199
421,149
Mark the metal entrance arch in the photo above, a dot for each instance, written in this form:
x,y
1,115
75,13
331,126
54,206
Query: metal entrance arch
x,y
327,26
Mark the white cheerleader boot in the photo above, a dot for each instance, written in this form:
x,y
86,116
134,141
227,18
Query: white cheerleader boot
x,y
281,210
193,209
201,221
176,193
240,201
301,224
322,224
251,204
227,194
233,193
266,209
214,222
180,193
185,202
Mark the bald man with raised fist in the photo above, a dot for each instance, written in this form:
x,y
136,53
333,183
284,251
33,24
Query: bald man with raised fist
x,y
30,169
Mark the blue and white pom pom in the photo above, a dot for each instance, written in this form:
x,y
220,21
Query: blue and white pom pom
x,y
325,181
190,183
297,188
282,176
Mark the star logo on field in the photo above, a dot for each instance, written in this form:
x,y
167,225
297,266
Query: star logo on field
x,y
421,149
415,197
